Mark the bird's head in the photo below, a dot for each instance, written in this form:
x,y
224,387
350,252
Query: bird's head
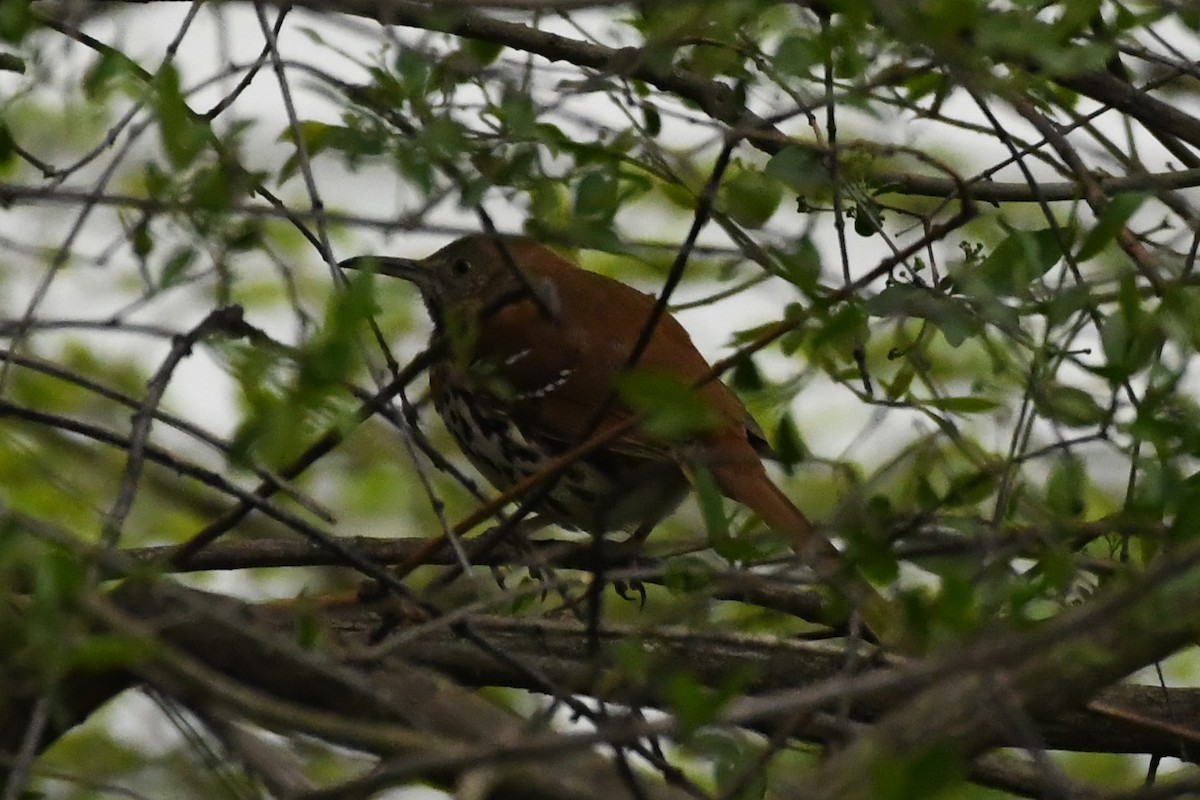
x,y
473,274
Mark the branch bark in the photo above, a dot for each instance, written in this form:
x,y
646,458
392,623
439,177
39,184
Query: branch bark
x,y
406,679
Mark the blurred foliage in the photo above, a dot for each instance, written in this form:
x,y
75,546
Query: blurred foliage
x,y
997,418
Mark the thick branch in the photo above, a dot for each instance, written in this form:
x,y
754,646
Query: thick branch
x,y
560,650
1012,681
255,648
553,651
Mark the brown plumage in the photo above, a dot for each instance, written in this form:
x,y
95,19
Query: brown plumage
x,y
537,348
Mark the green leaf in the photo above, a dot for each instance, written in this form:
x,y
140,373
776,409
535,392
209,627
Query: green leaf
x,y
244,236
922,84
110,651
801,169
673,409
679,195
8,152
898,386
515,166
845,330
1063,306
548,205
1018,261
789,444
1158,486
1179,312
801,265
1069,405
696,704
16,20
955,607
354,144
928,773
746,377
483,52
1065,487
596,197
158,183
314,135
518,114
311,34
1109,224
1129,338
868,531
111,65
58,579
868,218
1168,421
1076,18
689,574
632,660
176,266
141,239
328,358
736,763
183,138
214,187
410,76
652,119
1056,565
797,55
748,196
308,626
968,404
951,315
693,703
716,520
711,61
1186,524
970,489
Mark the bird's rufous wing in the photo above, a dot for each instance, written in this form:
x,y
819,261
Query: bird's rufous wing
x,y
595,323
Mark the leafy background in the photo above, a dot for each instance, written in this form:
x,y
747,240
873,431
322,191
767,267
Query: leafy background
x,y
971,224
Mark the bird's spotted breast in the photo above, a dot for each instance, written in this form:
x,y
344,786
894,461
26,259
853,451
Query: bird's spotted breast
x,y
605,490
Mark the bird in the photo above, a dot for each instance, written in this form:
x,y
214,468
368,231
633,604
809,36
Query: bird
x,y
538,350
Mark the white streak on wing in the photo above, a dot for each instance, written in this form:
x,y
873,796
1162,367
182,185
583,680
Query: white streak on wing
x,y
515,357
564,375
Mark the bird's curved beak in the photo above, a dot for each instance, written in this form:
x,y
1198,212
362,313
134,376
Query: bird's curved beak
x,y
403,268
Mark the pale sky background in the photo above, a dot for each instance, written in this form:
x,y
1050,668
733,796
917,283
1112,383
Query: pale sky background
x,y
830,418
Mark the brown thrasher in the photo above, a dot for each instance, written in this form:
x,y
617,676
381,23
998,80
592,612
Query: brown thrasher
x,y
536,348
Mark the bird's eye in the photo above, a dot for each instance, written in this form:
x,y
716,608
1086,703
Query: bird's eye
x,y
461,266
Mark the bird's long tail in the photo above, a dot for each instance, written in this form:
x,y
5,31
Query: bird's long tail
x,y
749,484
